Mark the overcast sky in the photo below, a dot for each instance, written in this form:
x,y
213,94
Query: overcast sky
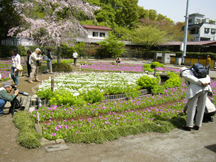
x,y
176,9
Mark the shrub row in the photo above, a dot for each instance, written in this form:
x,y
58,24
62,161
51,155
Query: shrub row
x,y
101,136
28,136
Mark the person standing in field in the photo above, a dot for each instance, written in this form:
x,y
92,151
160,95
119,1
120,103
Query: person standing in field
x,y
15,66
28,62
75,55
49,62
34,59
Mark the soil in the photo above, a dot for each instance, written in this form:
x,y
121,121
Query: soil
x,y
177,145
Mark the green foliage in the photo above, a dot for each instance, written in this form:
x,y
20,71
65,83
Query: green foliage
x,y
9,17
47,94
147,67
158,89
146,82
156,64
61,67
173,81
101,136
28,136
111,47
148,36
22,119
64,97
133,94
93,96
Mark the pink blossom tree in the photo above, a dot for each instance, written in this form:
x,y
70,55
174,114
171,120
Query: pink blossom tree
x,y
52,22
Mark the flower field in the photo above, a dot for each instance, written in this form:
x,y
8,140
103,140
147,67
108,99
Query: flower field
x,y
112,67
73,123
5,66
106,82
125,67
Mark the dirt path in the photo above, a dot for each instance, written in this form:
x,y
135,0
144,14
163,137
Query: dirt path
x,y
177,145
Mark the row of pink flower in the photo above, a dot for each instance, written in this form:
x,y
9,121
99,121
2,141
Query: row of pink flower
x,y
108,66
101,66
5,66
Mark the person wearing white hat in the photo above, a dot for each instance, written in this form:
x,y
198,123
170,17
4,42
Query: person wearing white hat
x,y
198,89
4,95
33,63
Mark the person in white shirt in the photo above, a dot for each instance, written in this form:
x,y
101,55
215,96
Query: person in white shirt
x,y
198,89
15,66
75,55
33,63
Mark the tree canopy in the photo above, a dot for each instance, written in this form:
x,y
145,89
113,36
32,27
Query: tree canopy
x,y
8,17
149,36
51,22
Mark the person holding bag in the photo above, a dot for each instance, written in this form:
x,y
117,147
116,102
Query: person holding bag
x,y
15,66
49,63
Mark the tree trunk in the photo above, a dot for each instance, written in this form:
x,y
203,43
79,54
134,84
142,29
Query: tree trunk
x,y
58,55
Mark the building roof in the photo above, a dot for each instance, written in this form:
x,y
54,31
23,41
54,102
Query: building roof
x,y
97,27
193,43
197,14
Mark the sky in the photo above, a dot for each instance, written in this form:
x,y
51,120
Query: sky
x,y
176,9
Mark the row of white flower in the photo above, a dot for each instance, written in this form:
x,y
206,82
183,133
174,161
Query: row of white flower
x,y
76,83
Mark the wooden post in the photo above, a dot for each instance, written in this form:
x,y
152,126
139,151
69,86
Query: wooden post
x,y
52,84
154,71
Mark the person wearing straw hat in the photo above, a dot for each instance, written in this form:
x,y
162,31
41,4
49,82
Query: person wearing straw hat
x,y
4,95
34,68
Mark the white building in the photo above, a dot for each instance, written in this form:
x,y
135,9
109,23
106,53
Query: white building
x,y
95,34
200,28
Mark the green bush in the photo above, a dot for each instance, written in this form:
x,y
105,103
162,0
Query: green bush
x,y
156,64
173,81
146,82
64,97
22,119
158,89
28,136
61,67
93,96
47,94
29,139
147,67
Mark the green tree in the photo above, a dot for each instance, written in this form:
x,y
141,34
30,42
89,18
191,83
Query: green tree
x,y
107,15
111,47
51,22
143,13
120,12
122,33
8,17
153,14
148,36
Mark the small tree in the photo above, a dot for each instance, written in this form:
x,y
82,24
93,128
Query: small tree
x,y
111,46
148,36
51,22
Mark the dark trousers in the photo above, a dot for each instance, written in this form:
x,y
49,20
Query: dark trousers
x,y
75,61
28,69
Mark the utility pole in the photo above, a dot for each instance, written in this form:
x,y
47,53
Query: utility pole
x,y
185,35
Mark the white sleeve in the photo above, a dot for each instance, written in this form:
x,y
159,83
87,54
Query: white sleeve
x,y
191,78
